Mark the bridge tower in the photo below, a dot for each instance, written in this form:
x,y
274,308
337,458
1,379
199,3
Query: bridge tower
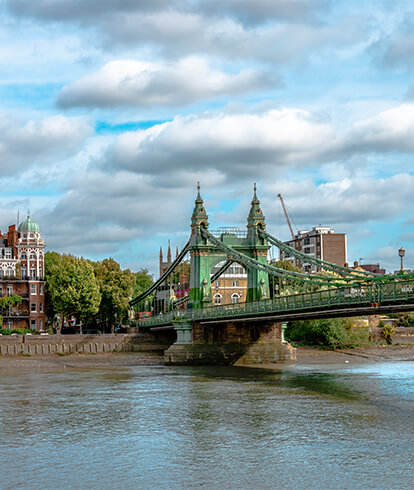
x,y
200,266
205,255
257,281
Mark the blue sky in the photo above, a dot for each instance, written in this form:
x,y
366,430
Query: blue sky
x,y
112,111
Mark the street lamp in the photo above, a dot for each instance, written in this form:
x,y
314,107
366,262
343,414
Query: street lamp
x,y
401,253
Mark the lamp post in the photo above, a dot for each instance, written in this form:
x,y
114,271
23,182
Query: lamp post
x,y
401,253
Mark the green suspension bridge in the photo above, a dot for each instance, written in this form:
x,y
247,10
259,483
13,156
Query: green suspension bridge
x,y
333,291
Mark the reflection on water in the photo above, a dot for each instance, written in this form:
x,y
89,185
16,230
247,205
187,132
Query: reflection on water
x,y
164,427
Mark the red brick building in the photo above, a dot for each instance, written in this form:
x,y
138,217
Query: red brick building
x,y
22,273
322,243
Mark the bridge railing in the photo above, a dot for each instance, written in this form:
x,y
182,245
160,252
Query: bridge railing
x,y
372,294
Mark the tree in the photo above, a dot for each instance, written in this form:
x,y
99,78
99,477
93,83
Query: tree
x,y
116,288
72,285
143,280
7,301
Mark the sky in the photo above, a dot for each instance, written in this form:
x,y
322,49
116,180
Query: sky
x,y
111,111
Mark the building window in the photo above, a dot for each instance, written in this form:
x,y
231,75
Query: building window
x,y
9,324
33,307
24,256
9,290
9,272
306,241
33,289
235,298
33,324
32,256
235,284
307,250
40,324
1,273
24,272
41,289
41,307
217,299
8,254
217,284
1,289
33,273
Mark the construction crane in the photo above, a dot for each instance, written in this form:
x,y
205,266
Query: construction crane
x,y
287,216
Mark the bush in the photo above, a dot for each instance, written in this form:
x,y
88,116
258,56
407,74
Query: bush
x,y
334,333
388,333
20,331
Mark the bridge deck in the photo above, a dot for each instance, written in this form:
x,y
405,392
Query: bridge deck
x,y
347,301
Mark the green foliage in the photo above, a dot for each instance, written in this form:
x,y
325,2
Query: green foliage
x,y
334,333
116,287
12,300
7,301
143,280
20,331
72,285
281,286
404,319
387,333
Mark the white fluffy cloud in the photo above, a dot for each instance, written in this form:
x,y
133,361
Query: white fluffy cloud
x,y
280,31
137,83
234,144
39,141
390,130
239,145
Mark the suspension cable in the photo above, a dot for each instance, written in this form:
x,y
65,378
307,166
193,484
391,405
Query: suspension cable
x,y
164,276
313,260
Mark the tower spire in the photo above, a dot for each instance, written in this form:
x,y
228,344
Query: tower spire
x,y
169,253
199,213
256,216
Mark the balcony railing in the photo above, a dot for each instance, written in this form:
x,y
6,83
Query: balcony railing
x,y
14,314
22,278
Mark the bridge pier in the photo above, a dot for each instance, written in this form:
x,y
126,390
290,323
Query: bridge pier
x,y
228,343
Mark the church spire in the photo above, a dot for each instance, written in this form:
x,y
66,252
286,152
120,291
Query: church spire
x,y
169,253
161,254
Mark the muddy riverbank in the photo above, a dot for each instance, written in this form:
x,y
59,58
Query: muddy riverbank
x,y
304,355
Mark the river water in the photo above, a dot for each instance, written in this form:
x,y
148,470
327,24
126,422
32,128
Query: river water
x,y
316,426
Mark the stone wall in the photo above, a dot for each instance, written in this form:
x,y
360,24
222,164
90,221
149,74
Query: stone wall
x,y
68,344
230,342
402,335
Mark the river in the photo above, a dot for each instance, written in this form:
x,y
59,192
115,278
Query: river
x,y
156,427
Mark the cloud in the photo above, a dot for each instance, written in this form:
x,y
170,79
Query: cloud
x,y
279,31
259,11
390,130
352,200
233,144
39,141
241,144
396,50
136,83
93,10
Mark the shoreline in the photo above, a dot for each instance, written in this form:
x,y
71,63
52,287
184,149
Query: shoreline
x,y
304,355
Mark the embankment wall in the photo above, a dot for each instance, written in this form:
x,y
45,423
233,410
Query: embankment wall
x,y
67,344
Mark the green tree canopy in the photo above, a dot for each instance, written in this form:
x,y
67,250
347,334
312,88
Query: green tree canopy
x,y
116,288
72,285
